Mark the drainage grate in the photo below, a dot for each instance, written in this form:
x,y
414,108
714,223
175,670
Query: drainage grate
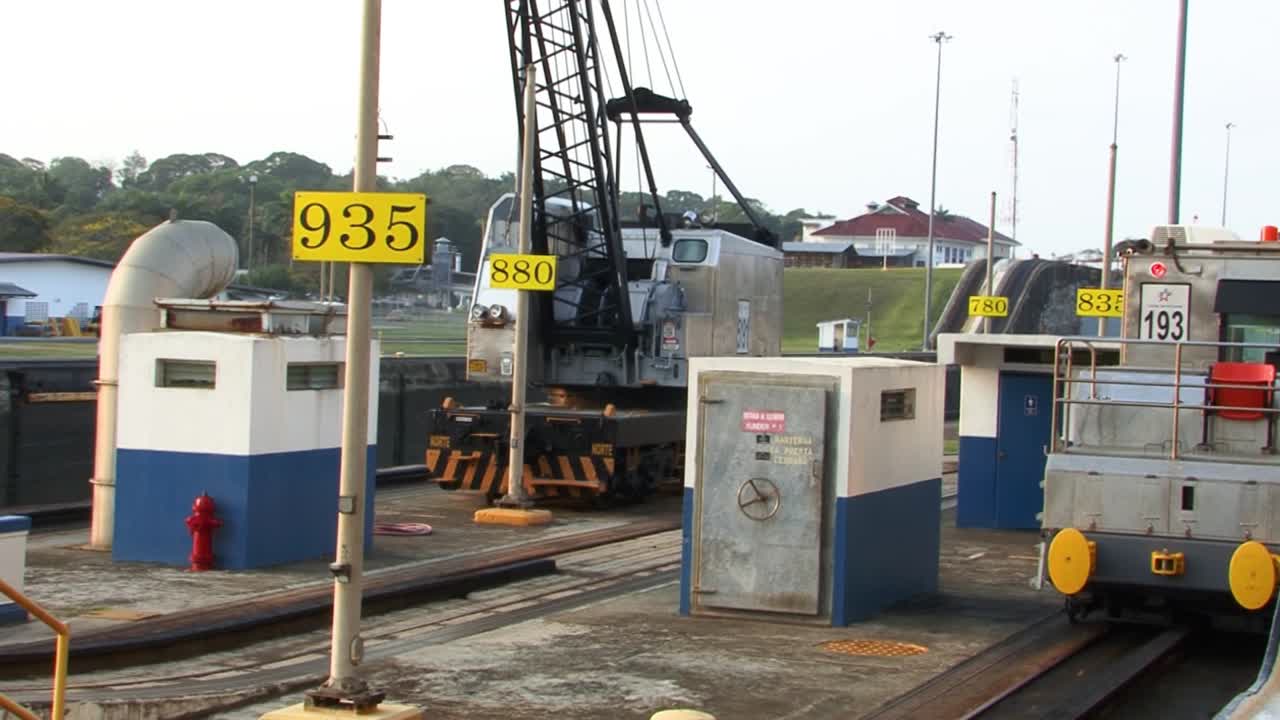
x,y
875,648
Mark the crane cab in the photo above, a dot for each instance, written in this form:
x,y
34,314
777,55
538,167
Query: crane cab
x,y
706,292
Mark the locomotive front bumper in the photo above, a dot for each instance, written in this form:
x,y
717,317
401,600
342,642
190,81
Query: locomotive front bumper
x,y
1078,561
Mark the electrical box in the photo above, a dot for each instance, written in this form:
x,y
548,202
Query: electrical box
x,y
812,486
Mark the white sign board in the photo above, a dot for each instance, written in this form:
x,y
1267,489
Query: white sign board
x,y
1165,312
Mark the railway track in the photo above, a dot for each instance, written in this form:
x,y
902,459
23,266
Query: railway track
x,y
1051,669
588,568
225,680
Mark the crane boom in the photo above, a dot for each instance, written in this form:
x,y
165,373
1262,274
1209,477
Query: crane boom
x,y
572,163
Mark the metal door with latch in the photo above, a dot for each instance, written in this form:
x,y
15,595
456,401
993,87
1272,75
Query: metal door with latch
x,y
761,491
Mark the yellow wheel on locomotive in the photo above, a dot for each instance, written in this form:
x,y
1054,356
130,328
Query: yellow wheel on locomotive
x,y
1252,575
1071,561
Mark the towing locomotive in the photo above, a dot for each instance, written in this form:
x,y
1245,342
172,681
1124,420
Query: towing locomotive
x,y
1162,481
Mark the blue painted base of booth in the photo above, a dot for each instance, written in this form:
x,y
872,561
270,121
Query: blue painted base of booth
x,y
976,483
275,508
886,547
12,614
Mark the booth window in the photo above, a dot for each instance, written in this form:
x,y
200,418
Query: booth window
x,y
191,374
898,404
314,376
689,250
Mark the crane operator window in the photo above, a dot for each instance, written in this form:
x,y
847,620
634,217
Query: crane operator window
x,y
689,250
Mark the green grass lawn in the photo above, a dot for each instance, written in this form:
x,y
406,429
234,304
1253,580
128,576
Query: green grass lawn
x,y
897,295
47,350
434,334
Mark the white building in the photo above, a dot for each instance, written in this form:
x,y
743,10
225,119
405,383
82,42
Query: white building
x,y
35,287
897,231
49,286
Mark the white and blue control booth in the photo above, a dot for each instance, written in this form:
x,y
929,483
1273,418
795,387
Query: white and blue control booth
x,y
242,400
13,563
1006,420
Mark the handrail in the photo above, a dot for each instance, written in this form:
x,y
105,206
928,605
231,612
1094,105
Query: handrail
x,y
1066,379
59,660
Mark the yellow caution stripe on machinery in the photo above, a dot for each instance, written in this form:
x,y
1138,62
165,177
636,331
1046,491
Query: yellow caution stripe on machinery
x,y
548,477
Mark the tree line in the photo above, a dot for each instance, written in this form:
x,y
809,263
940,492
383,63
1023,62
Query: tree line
x,y
73,207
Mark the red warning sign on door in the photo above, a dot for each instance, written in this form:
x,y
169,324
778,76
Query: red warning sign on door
x,y
764,421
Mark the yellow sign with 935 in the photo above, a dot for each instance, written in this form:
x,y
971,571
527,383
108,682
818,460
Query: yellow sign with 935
x,y
522,272
366,227
1091,302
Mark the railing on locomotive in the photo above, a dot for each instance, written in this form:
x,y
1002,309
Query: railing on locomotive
x,y
1064,381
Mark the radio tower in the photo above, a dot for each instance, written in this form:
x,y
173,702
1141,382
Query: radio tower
x,y
1013,140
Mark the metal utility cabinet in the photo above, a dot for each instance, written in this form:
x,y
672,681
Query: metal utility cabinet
x,y
812,486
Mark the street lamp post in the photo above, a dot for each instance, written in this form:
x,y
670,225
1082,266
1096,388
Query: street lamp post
x,y
1111,188
1180,73
253,183
938,38
1226,170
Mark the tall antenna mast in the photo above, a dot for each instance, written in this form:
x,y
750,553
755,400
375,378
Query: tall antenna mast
x,y
1013,139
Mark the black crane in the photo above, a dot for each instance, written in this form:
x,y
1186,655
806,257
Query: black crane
x,y
575,163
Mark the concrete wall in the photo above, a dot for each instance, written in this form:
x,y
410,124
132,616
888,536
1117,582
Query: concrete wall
x,y
46,448
46,444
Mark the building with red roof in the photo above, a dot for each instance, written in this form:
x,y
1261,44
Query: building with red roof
x,y
898,231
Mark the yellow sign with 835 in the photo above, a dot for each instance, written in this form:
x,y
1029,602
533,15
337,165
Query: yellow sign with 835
x,y
360,227
1092,302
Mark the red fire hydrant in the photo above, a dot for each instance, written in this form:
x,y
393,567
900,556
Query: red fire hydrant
x,y
202,523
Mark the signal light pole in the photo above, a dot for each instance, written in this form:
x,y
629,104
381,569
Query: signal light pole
x,y
938,38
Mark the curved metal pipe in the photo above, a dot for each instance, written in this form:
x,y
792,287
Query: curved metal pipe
x,y
176,259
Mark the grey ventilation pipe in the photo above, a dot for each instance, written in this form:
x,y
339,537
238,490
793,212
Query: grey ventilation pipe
x,y
176,259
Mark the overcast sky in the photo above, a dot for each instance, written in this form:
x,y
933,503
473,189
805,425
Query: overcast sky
x,y
818,104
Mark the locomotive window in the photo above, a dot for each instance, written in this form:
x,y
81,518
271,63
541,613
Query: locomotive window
x,y
689,251
1241,328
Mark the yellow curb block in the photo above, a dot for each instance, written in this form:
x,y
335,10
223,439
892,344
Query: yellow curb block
x,y
512,516
385,711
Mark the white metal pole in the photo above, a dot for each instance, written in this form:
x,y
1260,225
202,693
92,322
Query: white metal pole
x,y
1111,193
1226,172
991,258
933,190
349,565
1175,159
515,496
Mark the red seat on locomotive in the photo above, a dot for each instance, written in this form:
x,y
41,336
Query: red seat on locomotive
x,y
1232,402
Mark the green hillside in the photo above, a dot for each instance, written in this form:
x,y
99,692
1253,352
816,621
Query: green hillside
x,y
813,294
